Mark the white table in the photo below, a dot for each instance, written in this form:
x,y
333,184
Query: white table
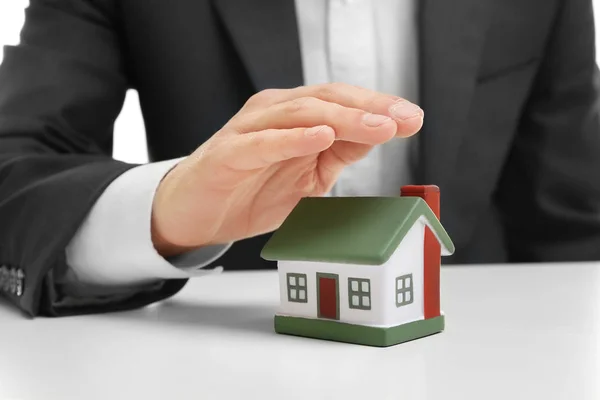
x,y
513,332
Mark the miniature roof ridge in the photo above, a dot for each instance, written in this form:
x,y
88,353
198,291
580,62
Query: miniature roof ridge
x,y
351,230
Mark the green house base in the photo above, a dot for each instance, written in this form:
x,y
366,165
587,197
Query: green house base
x,y
358,334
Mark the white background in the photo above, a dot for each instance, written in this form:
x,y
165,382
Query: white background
x,y
130,144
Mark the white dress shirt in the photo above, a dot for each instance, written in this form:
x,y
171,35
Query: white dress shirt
x,y
372,44
368,43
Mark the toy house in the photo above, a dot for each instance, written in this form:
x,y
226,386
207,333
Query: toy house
x,y
362,270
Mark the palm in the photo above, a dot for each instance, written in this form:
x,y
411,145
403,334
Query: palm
x,y
265,199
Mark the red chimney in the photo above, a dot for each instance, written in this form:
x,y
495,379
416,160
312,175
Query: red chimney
x,y
432,251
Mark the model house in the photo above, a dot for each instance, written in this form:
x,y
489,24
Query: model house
x,y
361,269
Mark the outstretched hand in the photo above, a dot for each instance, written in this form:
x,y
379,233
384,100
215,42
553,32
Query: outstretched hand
x,y
284,144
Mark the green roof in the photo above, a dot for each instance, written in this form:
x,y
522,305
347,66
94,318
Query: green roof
x,y
351,230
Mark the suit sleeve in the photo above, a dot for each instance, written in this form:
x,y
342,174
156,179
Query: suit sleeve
x,y
550,193
61,90
113,247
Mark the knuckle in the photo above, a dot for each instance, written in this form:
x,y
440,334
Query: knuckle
x,y
240,124
370,101
335,86
326,91
249,103
299,104
269,94
265,96
254,99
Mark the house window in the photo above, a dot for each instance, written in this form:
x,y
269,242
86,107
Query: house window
x,y
296,288
359,293
404,290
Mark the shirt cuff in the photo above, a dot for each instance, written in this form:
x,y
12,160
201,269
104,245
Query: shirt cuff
x,y
114,246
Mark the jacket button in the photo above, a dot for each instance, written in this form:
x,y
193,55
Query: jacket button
x,y
20,282
12,285
4,278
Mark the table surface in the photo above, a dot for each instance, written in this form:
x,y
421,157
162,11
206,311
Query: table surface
x,y
512,332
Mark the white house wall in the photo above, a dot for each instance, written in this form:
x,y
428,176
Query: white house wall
x,y
408,259
375,273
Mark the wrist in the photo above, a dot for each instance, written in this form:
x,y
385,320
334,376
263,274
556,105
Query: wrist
x,y
166,248
168,235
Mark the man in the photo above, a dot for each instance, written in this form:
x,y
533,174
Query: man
x,y
241,123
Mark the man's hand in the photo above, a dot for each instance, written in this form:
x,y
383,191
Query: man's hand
x,y
281,146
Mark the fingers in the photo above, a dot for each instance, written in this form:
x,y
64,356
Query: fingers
x,y
261,149
357,97
350,124
340,155
408,116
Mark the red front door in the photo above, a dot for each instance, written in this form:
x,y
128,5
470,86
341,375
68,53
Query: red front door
x,y
328,296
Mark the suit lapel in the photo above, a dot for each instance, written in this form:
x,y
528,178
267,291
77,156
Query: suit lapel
x,y
265,34
451,39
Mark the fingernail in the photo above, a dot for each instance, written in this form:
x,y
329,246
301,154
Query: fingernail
x,y
314,130
405,110
375,120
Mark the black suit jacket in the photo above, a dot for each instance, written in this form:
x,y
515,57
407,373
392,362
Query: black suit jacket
x,y
511,134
